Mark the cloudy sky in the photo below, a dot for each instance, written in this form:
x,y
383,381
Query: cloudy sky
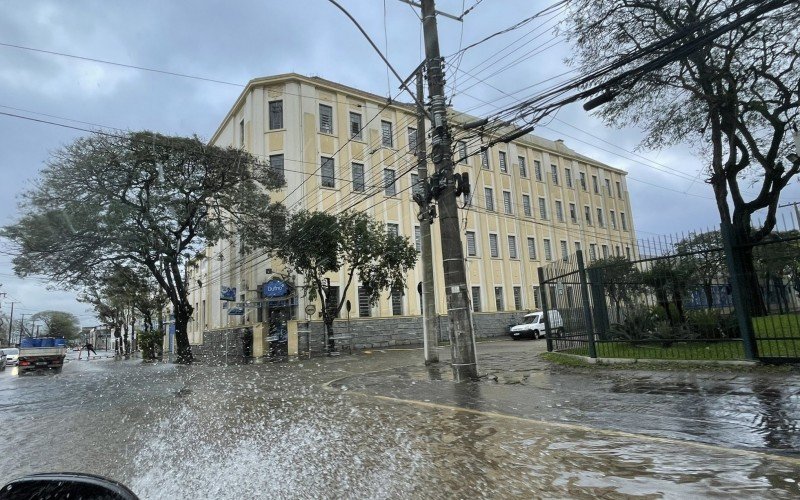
x,y
233,42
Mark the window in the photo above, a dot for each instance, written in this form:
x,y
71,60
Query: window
x,y
241,133
327,172
523,169
592,251
537,167
462,151
619,190
605,251
512,247
568,177
355,125
325,119
416,187
595,185
388,182
476,299
393,228
608,187
600,221
559,211
498,298
587,214
577,246
543,208
617,251
276,165
526,205
489,195
536,297
573,213
494,250
472,247
628,252
517,298
364,308
485,160
548,252
412,139
624,221
358,177
583,181
418,238
507,202
386,134
554,172
503,165
564,250
613,218
532,248
397,301
275,115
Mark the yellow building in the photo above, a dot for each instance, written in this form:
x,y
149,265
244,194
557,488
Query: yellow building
x,y
533,201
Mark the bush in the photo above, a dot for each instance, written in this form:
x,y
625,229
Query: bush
x,y
637,325
151,344
705,323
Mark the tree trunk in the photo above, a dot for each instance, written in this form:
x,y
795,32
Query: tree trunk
x,y
709,294
183,312
329,330
751,286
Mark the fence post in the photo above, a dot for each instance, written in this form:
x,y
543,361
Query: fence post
x,y
739,303
587,310
543,297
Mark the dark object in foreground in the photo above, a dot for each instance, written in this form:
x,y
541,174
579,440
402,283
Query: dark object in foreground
x,y
73,485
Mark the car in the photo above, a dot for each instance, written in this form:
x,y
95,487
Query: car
x,y
2,360
532,325
12,356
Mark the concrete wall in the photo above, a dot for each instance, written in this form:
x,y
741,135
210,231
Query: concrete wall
x,y
217,342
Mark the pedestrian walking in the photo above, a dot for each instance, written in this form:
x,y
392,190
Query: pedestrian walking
x,y
89,348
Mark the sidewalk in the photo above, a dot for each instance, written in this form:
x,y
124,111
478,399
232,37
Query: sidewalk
x,y
747,409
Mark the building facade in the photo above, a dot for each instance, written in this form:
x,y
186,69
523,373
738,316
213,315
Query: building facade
x,y
533,201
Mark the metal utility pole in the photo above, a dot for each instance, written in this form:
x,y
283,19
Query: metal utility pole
x,y
462,337
21,327
429,331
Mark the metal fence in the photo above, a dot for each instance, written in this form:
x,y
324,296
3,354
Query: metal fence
x,y
679,300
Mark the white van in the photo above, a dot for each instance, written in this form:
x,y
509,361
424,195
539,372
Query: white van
x,y
532,325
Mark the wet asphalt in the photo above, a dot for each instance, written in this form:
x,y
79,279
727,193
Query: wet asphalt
x,y
381,425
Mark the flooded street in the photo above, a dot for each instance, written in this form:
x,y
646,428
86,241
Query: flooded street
x,y
368,426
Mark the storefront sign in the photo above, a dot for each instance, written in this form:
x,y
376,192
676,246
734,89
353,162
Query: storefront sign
x,y
236,311
275,288
227,293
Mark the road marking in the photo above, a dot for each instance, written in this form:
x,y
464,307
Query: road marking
x,y
567,426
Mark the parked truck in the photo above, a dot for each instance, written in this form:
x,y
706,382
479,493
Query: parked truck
x,y
41,354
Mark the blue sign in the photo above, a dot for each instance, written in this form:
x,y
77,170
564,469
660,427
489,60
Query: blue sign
x,y
275,288
236,311
227,293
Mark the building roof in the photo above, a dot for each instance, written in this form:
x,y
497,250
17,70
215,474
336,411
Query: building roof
x,y
457,117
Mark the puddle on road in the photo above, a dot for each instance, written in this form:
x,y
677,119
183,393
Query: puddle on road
x,y
277,435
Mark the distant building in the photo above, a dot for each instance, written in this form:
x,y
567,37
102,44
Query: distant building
x,y
533,201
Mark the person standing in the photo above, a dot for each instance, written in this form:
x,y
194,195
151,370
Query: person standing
x,y
89,348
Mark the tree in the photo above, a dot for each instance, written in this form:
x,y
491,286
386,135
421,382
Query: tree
x,y
778,258
141,200
318,243
732,100
620,278
705,258
670,278
59,324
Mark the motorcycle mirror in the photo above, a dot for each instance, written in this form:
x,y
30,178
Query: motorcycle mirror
x,y
65,485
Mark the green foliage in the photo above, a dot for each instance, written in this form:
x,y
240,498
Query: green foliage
x,y
142,200
637,325
59,324
151,344
319,243
620,277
